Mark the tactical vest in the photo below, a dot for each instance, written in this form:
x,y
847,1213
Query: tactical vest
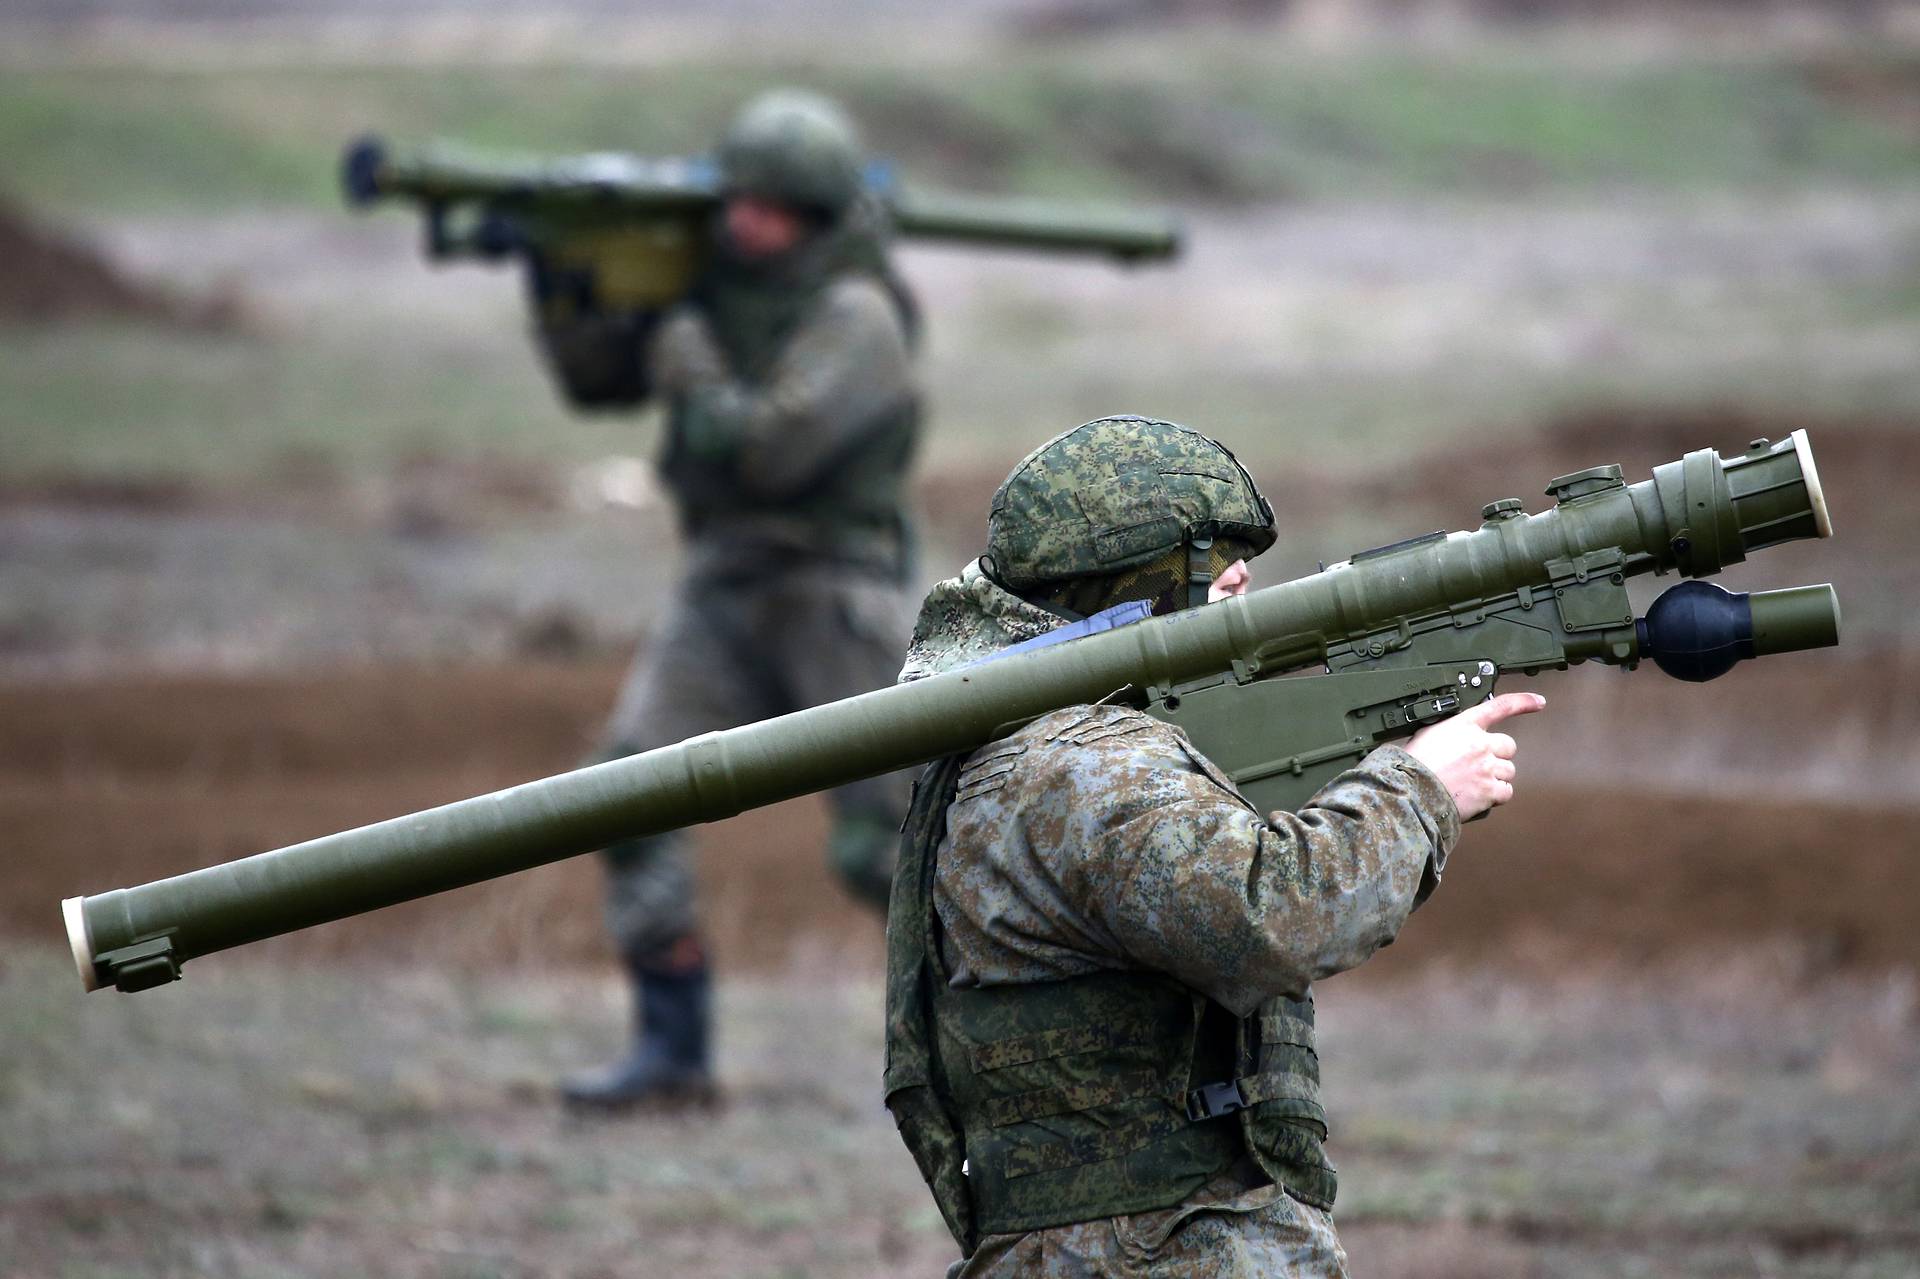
x,y
860,498
1034,1106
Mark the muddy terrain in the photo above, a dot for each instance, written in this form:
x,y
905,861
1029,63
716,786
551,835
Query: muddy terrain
x,y
295,536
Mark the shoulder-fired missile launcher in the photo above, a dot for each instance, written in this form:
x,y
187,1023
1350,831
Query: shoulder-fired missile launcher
x,y
609,239
1407,634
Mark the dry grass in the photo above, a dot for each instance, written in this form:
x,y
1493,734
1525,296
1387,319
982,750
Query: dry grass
x,y
265,1119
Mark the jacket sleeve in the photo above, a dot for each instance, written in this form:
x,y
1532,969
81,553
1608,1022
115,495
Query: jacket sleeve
x,y
1185,878
683,356
846,364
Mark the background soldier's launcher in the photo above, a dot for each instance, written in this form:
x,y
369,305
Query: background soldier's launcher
x,y
611,240
1409,633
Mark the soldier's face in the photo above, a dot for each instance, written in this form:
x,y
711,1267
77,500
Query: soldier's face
x,y
760,229
1233,580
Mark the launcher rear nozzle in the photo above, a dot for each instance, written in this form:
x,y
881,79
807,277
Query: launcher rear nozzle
x,y
1697,631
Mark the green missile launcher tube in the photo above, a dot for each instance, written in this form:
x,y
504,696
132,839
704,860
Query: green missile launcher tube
x,y
1408,633
608,241
610,187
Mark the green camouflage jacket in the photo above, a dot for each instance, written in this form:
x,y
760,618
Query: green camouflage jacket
x,y
1105,841
793,411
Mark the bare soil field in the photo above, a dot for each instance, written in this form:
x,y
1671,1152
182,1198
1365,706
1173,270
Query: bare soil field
x,y
452,557
1776,801
294,536
1662,1018
116,781
1739,1118
51,277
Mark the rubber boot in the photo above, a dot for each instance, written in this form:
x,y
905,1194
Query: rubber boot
x,y
669,1065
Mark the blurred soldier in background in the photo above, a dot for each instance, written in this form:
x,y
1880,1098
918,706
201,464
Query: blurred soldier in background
x,y
1100,1042
792,412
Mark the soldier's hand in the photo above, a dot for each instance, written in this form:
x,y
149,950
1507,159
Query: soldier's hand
x,y
1470,759
713,421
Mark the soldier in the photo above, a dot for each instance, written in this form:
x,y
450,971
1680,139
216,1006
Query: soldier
x,y
792,412
1100,1024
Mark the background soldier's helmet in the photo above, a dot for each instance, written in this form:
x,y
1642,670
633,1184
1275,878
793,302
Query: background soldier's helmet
x,y
795,148
1115,509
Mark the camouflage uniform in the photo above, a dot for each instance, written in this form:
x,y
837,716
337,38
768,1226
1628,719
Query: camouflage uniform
x,y
1095,844
790,495
792,412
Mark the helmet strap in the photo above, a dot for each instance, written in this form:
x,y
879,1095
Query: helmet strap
x,y
1060,611
1199,570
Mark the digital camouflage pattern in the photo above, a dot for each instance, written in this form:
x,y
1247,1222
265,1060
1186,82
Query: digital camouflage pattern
x,y
1226,1230
1095,840
1102,840
749,645
792,408
966,618
1115,493
1107,844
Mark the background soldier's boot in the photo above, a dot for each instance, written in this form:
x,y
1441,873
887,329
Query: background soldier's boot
x,y
669,1062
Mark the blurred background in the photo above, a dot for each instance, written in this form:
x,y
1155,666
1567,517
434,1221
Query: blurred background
x,y
295,535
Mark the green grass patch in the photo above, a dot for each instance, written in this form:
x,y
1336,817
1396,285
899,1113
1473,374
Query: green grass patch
x,y
1450,126
1220,122
99,400
337,385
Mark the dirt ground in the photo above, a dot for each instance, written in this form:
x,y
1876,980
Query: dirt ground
x,y
1661,1019
1775,803
1634,1034
1735,1119
463,558
351,561
54,277
115,781
1690,942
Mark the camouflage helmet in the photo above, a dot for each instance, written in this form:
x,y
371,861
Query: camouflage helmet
x,y
1115,494
793,147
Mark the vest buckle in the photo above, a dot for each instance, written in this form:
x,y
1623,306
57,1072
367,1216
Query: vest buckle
x,y
1210,1101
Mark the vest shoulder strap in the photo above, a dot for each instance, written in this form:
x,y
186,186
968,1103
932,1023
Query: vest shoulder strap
x,y
914,973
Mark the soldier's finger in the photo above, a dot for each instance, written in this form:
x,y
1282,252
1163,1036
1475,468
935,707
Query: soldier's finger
x,y
1502,746
1500,792
1504,706
1502,770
